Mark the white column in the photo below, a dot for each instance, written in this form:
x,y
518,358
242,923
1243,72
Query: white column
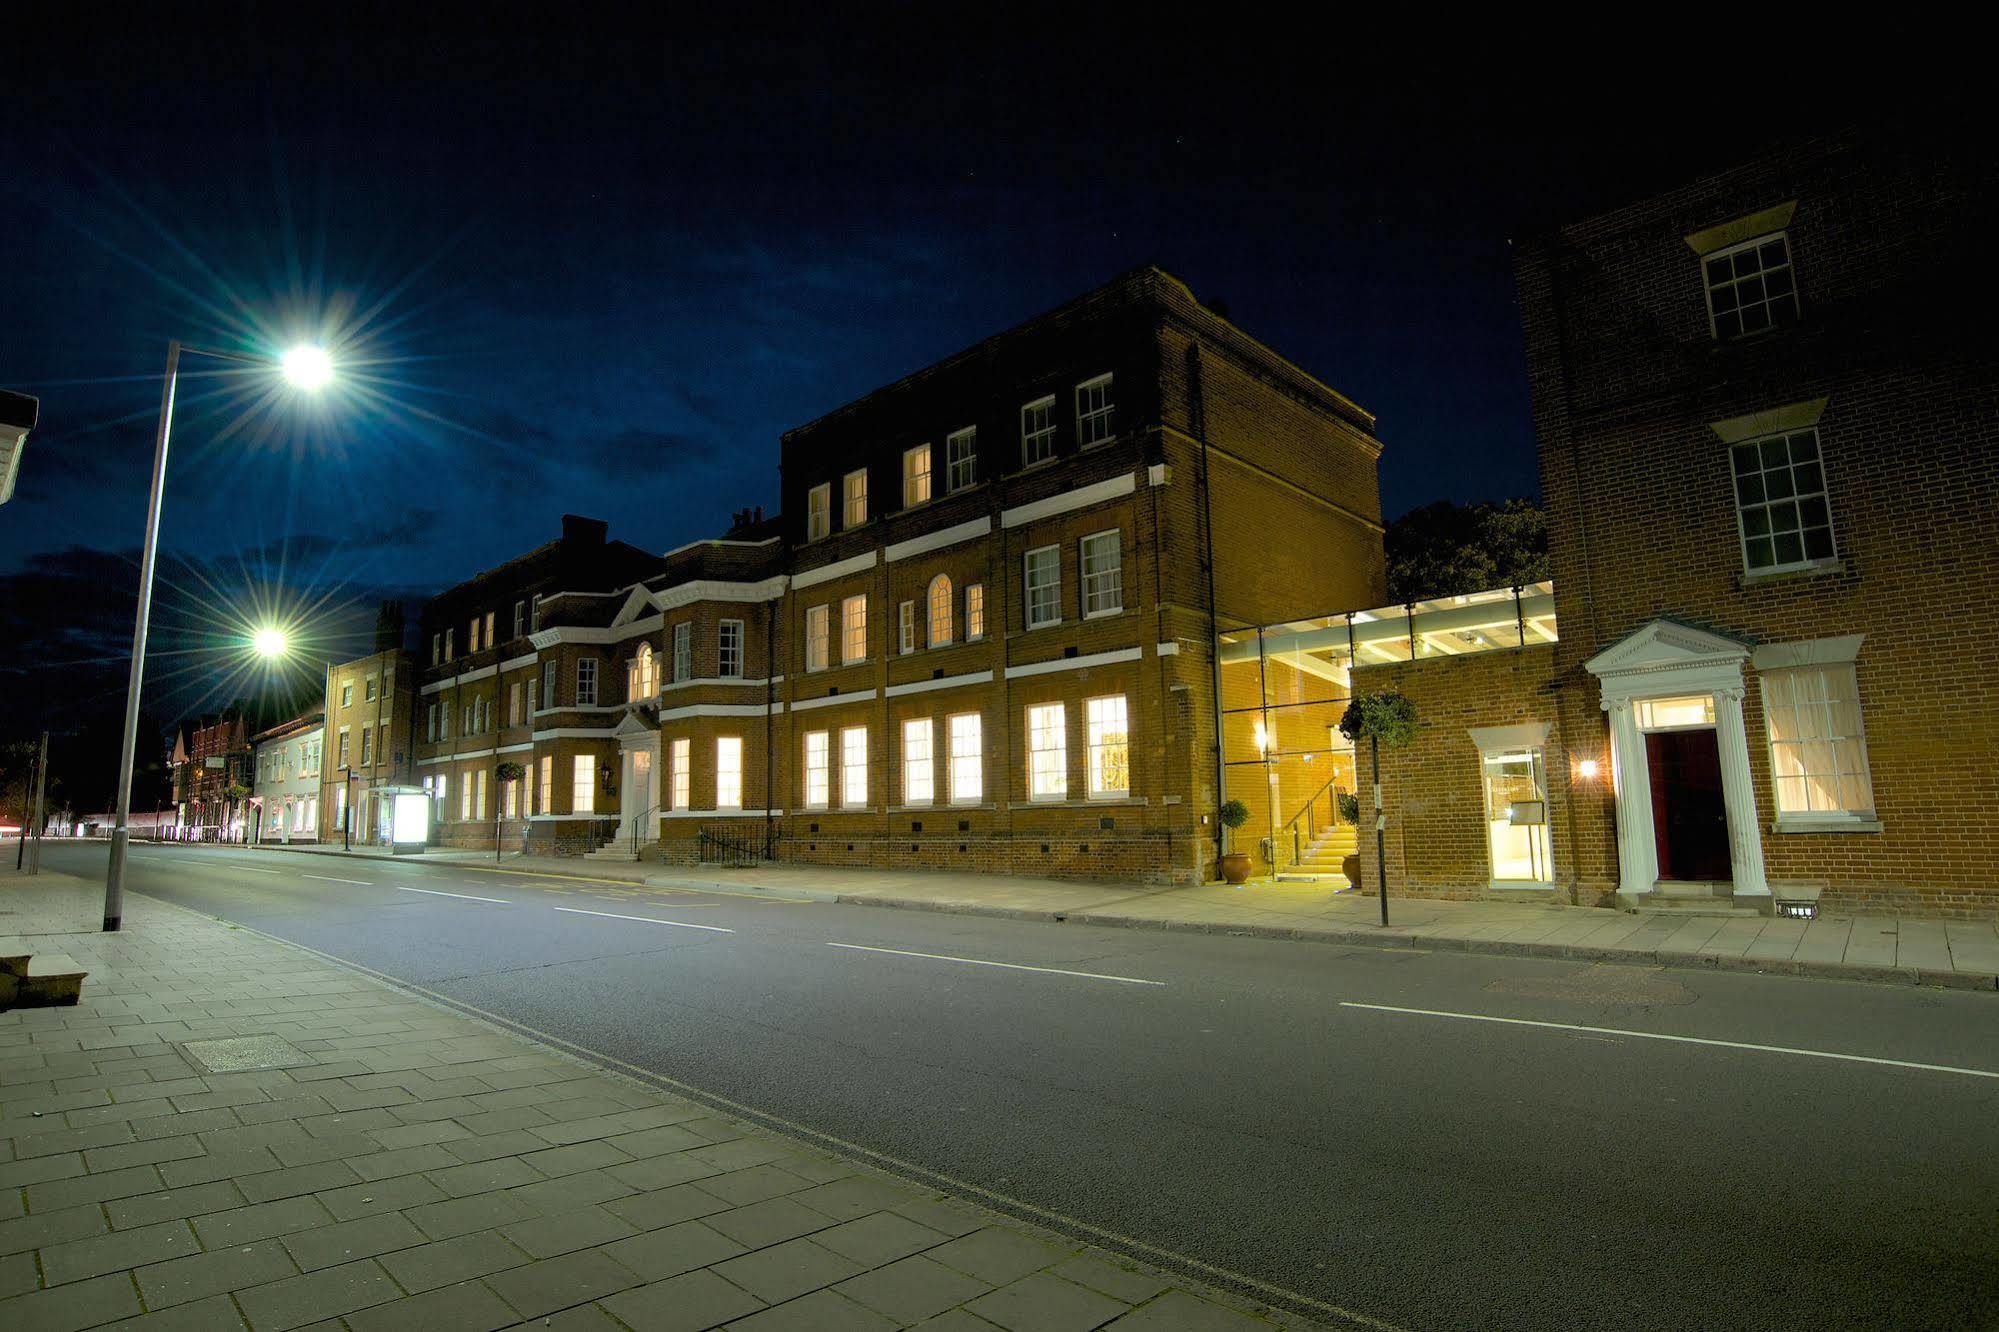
x,y
1637,852
1738,796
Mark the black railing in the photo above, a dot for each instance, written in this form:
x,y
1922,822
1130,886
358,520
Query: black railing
x,y
739,848
1303,829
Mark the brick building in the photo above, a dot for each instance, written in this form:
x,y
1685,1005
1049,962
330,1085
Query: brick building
x,y
212,758
367,747
979,636
1766,444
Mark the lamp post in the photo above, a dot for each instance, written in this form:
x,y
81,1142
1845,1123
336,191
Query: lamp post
x,y
306,367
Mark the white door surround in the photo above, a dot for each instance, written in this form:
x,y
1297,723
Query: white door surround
x,y
638,775
1665,659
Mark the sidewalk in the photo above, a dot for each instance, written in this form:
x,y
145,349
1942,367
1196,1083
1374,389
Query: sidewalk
x,y
229,1131
1957,954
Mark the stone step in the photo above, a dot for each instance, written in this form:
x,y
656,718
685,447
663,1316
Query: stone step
x,y
42,980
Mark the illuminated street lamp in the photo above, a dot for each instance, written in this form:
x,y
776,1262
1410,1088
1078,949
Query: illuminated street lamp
x,y
270,642
307,368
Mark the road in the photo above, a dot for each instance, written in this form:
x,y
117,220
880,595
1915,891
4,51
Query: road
x,y
1347,1124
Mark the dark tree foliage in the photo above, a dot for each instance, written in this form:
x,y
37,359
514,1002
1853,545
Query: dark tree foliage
x,y
1446,549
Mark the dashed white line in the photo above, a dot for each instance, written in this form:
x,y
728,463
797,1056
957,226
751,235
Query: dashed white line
x,y
469,897
1682,1040
650,920
328,878
1010,966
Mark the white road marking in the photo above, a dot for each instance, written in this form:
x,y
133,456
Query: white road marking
x,y
327,878
1010,966
249,868
650,920
1683,1040
432,892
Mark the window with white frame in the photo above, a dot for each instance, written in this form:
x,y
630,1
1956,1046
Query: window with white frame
x,y
1750,287
1102,561
479,800
919,782
547,686
915,475
854,767
905,627
819,511
1818,747
941,607
586,681
534,613
966,735
729,772
449,638
1043,586
854,630
818,769
818,637
368,690
346,693
430,723
961,458
729,649
367,750
1780,502
514,703
1516,815
583,785
975,612
854,498
1047,752
436,648
1109,742
343,746
644,680
683,652
520,618
465,801
682,778
444,722
489,628
510,799
1094,409
1037,431
547,796
472,635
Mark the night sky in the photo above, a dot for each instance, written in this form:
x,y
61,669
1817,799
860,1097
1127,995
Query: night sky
x,y
602,273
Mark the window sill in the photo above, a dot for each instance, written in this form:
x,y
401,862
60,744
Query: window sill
x,y
1819,570
1104,614
969,807
1845,825
1049,624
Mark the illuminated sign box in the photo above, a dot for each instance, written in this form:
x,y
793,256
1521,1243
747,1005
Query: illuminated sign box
x,y
409,819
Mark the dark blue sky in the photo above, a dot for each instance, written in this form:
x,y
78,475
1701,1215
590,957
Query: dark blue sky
x,y
602,273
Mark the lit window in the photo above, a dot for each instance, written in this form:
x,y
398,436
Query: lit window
x,y
1037,432
905,627
683,652
472,635
1780,502
818,770
853,630
368,690
346,693
1750,288
854,496
918,782
343,746
940,611
1103,574
586,682
365,749
729,649
514,703
1093,411
1516,816
729,772
854,767
644,683
547,783
1044,586
975,612
819,511
1110,747
818,632
489,628
1818,748
961,458
510,799
1685,712
449,651
1047,753
465,801
968,784
682,779
479,800
583,785
915,475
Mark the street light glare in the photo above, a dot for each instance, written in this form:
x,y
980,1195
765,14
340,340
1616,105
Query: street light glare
x,y
308,367
270,642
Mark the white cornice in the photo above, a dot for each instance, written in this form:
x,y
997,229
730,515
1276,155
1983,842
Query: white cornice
x,y
720,710
723,681
1075,663
518,662
709,589
826,573
1069,501
938,540
832,700
944,682
576,733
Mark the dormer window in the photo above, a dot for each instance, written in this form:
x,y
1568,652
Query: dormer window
x,y
1094,410
915,476
819,512
1750,288
854,494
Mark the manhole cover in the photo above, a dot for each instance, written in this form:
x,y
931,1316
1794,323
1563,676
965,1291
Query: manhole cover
x,y
236,1054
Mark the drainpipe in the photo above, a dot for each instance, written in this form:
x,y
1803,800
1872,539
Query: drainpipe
x,y
1197,417
770,697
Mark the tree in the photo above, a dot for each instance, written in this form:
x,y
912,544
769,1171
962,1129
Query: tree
x,y
1448,549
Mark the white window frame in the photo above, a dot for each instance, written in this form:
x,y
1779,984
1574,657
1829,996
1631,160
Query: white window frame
x,y
1770,508
1047,780
1099,747
681,779
729,650
728,772
1027,588
854,629
547,784
853,767
583,784
819,511
854,498
1783,771
1540,846
961,459
919,764
975,612
1096,409
1733,283
1104,596
818,769
905,628
586,682
1037,445
683,651
940,612
965,733
520,618
916,478
818,637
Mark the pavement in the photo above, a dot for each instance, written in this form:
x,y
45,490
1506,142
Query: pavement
x,y
230,1131
1959,954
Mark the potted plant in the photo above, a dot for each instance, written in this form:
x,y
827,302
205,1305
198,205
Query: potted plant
x,y
1383,718
1349,809
1234,865
507,771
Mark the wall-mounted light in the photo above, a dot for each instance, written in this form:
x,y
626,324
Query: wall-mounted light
x,y
1588,769
1262,739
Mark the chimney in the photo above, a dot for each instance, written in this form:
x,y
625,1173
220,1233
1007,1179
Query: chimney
x,y
580,531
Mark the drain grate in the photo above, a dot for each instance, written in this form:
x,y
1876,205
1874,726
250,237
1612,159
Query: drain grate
x,y
238,1054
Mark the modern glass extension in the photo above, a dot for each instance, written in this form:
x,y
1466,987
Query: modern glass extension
x,y
1285,686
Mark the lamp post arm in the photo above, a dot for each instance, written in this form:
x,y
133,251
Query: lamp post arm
x,y
114,877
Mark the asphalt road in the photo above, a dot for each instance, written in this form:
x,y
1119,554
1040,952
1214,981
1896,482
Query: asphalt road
x,y
1237,1102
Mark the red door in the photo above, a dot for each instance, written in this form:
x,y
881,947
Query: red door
x,y
1689,820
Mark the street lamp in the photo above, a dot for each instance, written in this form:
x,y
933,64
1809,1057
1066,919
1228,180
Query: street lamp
x,y
306,367
270,642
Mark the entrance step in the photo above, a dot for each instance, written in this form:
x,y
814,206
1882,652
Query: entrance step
x,y
1694,899
619,852
46,980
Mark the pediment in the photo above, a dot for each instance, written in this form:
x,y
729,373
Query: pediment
x,y
1664,645
634,724
637,603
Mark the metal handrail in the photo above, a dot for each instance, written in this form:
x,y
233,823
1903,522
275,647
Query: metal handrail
x,y
637,821
1310,815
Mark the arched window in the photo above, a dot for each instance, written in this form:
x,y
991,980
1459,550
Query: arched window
x,y
644,683
940,611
